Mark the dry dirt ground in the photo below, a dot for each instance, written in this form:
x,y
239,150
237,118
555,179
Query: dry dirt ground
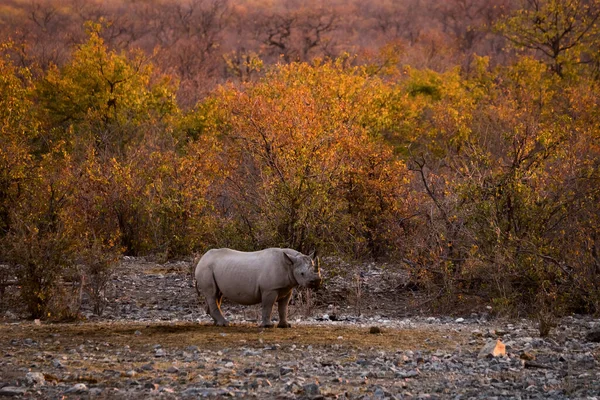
x,y
361,336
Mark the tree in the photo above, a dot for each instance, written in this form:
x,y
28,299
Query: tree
x,y
297,34
564,32
18,132
105,96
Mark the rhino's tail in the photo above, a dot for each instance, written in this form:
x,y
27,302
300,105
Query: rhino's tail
x,y
194,263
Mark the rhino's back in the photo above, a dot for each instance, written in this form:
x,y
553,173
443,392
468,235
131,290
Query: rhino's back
x,y
242,260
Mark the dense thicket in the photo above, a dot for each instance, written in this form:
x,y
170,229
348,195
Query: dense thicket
x,y
401,132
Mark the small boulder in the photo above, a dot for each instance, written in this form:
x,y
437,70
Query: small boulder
x,y
312,390
35,378
407,374
78,388
375,330
12,391
593,335
147,367
527,356
151,386
492,349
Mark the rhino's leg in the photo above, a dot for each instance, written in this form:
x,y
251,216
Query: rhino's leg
x,y
214,309
268,299
282,303
213,296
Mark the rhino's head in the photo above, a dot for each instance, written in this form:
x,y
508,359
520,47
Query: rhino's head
x,y
307,271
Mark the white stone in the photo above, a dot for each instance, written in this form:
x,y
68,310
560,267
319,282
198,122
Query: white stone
x,y
35,378
492,349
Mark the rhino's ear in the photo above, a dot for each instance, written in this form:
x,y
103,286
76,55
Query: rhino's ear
x,y
313,255
288,258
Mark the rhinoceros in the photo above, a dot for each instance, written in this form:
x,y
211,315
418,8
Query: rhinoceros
x,y
265,276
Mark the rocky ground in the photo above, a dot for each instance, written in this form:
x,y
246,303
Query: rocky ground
x,y
359,337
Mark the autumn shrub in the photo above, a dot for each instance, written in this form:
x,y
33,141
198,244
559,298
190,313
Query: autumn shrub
x,y
60,236
72,202
60,241
506,182
39,261
174,217
98,267
31,239
305,164
18,131
41,241
113,108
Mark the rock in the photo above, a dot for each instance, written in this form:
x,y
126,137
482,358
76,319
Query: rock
x,y
9,391
172,370
527,356
459,320
35,378
340,380
593,335
492,349
407,374
57,364
78,388
381,393
285,371
147,367
311,390
375,330
192,392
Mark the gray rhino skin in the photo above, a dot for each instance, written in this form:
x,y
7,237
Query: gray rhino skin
x,y
265,276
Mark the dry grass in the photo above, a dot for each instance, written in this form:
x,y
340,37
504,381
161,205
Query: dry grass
x,y
95,353
182,334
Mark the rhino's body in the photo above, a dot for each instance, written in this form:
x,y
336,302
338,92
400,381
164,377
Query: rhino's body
x,y
264,276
